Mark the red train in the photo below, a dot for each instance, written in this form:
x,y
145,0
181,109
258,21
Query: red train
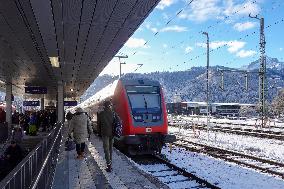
x,y
141,106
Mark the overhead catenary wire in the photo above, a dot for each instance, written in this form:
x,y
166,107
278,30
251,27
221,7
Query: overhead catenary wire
x,y
227,44
211,26
214,50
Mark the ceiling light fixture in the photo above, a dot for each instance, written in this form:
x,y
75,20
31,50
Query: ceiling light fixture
x,y
54,61
71,90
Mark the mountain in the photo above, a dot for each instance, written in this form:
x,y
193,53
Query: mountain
x,y
190,85
271,63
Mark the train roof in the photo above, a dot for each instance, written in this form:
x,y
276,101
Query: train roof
x,y
139,81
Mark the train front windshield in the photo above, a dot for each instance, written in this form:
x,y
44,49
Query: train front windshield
x,y
144,99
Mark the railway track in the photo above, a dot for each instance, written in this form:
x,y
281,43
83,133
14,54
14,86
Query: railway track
x,y
241,131
170,174
263,165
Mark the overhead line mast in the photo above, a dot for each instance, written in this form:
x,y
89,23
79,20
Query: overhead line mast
x,y
262,71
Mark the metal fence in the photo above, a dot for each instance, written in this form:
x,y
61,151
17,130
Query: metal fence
x,y
36,170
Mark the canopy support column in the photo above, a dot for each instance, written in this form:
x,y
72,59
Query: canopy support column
x,y
42,103
60,98
9,104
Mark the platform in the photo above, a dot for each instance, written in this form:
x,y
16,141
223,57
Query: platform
x,y
90,173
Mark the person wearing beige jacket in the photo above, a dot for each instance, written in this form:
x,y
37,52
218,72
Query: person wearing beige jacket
x,y
80,126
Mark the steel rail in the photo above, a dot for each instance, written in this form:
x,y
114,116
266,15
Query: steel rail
x,y
233,156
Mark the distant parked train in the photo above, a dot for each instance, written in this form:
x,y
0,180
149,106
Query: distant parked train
x,y
141,106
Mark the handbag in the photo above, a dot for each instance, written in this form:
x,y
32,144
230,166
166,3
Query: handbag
x,y
69,145
117,125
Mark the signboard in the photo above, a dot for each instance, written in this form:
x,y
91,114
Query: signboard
x,y
31,103
70,103
36,90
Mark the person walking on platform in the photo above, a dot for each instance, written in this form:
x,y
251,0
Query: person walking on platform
x,y
18,135
32,124
13,154
105,122
80,126
2,116
69,116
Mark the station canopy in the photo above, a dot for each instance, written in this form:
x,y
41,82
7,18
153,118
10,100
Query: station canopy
x,y
43,42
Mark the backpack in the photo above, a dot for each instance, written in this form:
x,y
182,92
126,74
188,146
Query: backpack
x,y
117,125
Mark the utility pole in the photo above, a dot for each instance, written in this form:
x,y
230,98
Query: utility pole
x,y
119,57
207,78
262,70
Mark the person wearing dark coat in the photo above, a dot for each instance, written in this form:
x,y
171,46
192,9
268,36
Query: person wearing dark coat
x,y
2,116
105,122
13,154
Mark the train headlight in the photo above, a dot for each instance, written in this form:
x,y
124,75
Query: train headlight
x,y
155,117
138,118
158,117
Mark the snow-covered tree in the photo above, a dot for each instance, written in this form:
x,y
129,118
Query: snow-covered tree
x,y
278,103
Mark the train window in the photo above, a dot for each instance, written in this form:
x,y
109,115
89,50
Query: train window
x,y
142,89
141,103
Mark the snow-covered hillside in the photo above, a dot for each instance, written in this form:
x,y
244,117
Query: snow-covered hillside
x,y
190,85
271,63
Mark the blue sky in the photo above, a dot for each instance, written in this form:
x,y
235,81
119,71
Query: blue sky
x,y
179,45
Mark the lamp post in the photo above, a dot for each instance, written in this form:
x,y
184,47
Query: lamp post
x,y
120,63
207,80
140,65
119,57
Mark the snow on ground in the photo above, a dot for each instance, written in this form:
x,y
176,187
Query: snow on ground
x,y
223,174
265,148
250,123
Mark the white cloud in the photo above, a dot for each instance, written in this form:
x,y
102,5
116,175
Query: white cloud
x,y
174,28
217,44
136,43
244,54
165,45
149,27
203,10
235,45
244,26
246,8
154,30
188,49
165,16
165,3
280,49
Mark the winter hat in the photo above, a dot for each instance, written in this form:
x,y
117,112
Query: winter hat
x,y
79,110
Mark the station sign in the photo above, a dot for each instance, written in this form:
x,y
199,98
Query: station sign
x,y
36,90
31,103
70,103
